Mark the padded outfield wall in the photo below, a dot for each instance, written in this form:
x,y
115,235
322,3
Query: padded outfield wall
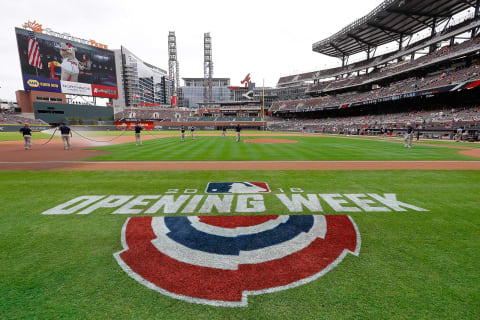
x,y
59,112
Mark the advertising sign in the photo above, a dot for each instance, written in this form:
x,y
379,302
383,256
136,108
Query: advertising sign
x,y
130,125
77,88
41,84
72,66
104,91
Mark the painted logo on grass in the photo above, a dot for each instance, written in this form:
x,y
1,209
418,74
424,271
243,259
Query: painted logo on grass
x,y
237,187
220,261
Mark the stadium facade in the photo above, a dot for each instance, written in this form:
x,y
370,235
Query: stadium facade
x,y
192,93
142,84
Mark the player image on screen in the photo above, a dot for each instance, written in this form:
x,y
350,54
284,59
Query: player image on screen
x,y
70,64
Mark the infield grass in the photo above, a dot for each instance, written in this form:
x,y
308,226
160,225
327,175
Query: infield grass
x,y
305,149
412,265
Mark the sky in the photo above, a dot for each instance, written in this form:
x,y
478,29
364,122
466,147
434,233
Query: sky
x,y
267,39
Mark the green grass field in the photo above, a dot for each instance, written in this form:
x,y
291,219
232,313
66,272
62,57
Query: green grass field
x,y
16,136
412,265
307,149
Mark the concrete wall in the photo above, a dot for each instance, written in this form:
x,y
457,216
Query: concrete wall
x,y
26,99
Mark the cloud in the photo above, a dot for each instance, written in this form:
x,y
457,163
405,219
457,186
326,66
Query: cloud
x,y
264,38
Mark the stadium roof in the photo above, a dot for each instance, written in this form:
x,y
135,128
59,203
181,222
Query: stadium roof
x,y
387,22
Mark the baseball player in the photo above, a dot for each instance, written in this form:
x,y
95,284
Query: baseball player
x,y
238,129
27,136
183,134
138,136
409,136
192,129
224,132
66,135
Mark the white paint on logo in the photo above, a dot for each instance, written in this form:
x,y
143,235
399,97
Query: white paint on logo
x,y
238,231
239,187
336,204
169,203
231,262
128,208
251,203
68,208
256,204
298,201
109,202
390,200
365,203
192,205
213,201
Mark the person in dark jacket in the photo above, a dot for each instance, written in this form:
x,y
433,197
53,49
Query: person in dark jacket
x,y
138,135
27,136
66,135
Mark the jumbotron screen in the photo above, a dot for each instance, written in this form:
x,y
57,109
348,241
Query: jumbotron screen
x,y
57,65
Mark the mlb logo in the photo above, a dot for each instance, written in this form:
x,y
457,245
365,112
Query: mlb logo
x,y
237,187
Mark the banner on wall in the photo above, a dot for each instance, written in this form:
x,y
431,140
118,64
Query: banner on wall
x,y
78,88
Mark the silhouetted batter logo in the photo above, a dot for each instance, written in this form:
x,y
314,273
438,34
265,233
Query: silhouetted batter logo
x,y
220,261
237,187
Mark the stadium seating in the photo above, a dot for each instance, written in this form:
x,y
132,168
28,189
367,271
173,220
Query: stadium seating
x,y
467,117
439,79
13,118
153,113
395,68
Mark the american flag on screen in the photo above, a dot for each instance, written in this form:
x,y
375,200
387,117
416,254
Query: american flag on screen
x,y
34,51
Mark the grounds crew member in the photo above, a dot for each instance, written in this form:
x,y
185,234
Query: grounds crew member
x,y
27,136
409,136
238,129
138,136
66,135
458,136
192,129
183,134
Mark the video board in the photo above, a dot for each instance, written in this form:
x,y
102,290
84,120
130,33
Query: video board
x,y
54,64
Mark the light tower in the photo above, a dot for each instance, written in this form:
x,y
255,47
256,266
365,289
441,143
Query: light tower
x,y
207,68
173,65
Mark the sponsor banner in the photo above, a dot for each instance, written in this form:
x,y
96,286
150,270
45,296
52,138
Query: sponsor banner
x,y
77,88
15,128
41,84
104,91
130,125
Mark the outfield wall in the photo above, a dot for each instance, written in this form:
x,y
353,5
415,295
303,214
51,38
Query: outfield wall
x,y
68,113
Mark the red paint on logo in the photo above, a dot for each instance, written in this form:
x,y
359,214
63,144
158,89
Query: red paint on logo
x,y
236,221
211,284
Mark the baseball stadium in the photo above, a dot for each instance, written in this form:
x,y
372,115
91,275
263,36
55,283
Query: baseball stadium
x,y
349,192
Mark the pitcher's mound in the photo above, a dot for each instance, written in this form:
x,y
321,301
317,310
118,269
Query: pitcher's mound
x,y
270,141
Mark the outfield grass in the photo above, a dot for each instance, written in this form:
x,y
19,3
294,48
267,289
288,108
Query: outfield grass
x,y
307,149
412,265
162,132
14,136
